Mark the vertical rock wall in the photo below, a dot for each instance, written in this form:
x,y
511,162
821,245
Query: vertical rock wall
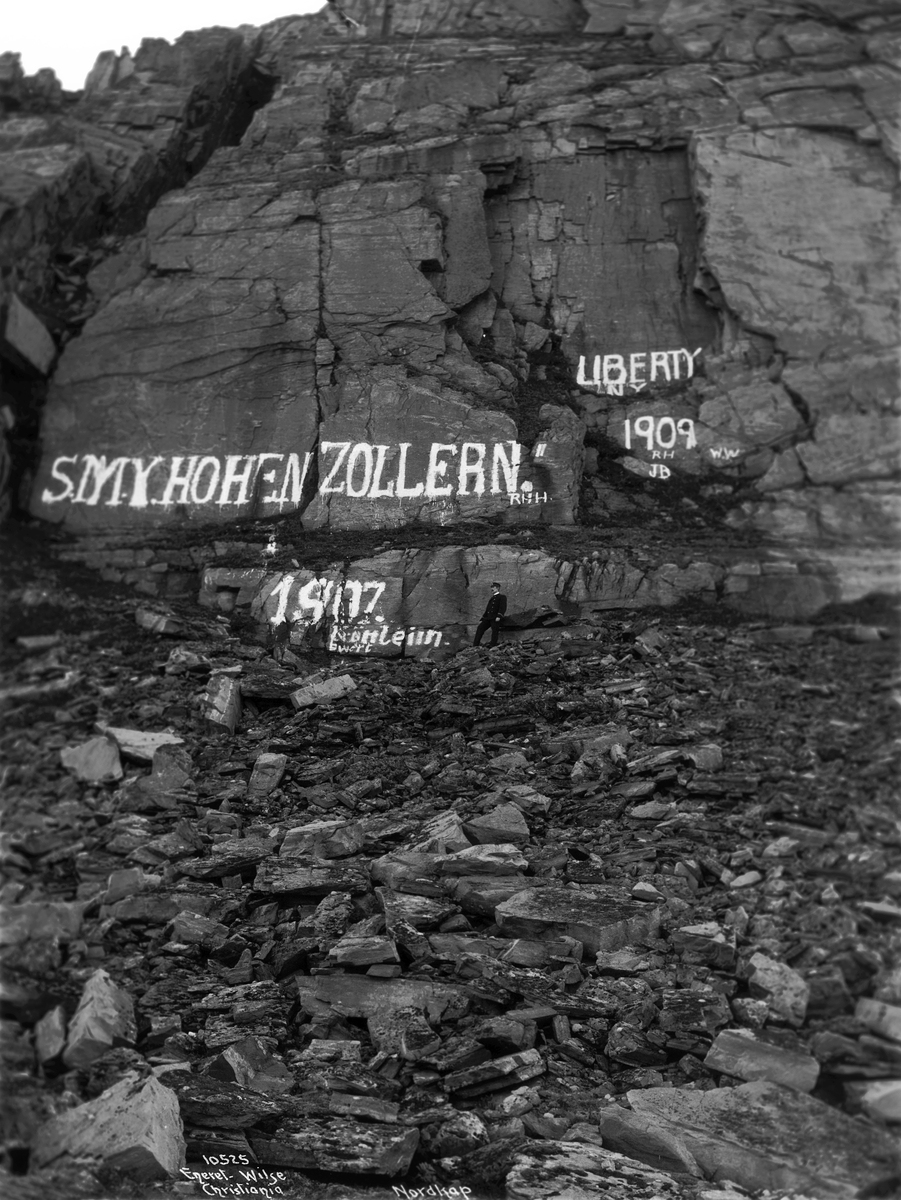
x,y
462,239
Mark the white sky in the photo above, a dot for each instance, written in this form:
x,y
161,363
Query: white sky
x,y
67,35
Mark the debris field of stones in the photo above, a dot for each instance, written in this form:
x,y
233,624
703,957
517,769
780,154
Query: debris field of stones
x,y
610,908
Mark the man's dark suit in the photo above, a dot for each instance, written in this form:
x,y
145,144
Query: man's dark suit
x,y
491,618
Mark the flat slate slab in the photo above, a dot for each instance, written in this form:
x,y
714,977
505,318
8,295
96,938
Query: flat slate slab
x,y
746,1055
363,996
767,1137
602,918
304,876
581,1171
339,1144
233,856
138,745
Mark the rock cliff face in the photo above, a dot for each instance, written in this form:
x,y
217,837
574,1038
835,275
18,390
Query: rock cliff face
x,y
472,261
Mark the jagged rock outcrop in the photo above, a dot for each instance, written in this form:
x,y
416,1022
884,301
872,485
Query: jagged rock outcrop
x,y
469,259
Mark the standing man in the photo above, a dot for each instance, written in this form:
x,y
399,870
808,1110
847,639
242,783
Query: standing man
x,y
491,617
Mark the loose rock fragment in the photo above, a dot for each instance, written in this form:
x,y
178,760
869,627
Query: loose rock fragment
x,y
363,951
707,944
641,1138
785,991
50,1034
222,703
499,1072
884,1019
602,918
134,1127
208,1101
249,1064
38,920
105,1017
324,692
158,622
579,1171
341,1144
764,1136
137,745
303,876
740,1053
94,761
324,839
492,859
361,996
503,824
267,775
882,1100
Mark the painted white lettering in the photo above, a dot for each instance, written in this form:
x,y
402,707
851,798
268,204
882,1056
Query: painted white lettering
x,y
433,637
691,356
508,464
347,601
539,451
398,636
660,360
475,468
437,470
723,452
595,381
671,437
378,588
659,471
47,497
665,431
310,598
636,364
644,427
686,429
326,486
281,589
99,472
403,492
614,362
267,476
178,480
209,463
377,492
295,477
139,487
515,498
364,450
233,476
